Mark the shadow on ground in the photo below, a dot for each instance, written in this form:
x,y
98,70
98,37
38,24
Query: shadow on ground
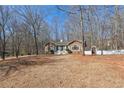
x,y
10,66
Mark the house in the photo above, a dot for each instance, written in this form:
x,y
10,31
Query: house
x,y
61,47
75,46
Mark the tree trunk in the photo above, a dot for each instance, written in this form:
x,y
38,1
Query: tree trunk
x,y
4,44
82,31
35,39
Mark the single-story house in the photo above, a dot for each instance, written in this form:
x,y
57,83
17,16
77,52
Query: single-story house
x,y
74,46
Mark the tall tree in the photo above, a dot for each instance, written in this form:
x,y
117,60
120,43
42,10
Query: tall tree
x,y
80,9
5,15
34,20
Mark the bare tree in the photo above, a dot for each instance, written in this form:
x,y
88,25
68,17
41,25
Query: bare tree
x,y
56,28
81,10
33,19
4,19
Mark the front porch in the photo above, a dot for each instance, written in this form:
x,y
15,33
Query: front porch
x,y
61,49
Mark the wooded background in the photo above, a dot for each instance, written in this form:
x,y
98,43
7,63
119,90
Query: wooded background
x,y
24,30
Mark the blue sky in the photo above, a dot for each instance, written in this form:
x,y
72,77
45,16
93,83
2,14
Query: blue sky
x,y
52,12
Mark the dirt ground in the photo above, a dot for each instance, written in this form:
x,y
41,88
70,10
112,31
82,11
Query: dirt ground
x,y
63,71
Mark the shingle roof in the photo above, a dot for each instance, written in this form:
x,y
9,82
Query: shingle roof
x,y
63,43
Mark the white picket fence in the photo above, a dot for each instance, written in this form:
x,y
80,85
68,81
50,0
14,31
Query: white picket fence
x,y
106,52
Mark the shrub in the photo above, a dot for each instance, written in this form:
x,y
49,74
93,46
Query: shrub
x,y
52,51
69,51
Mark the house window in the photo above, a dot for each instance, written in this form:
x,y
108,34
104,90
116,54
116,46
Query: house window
x,y
75,47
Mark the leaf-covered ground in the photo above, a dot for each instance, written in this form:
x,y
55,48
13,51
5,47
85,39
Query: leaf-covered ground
x,y
63,71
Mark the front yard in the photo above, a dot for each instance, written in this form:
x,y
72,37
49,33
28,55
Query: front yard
x,y
63,71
